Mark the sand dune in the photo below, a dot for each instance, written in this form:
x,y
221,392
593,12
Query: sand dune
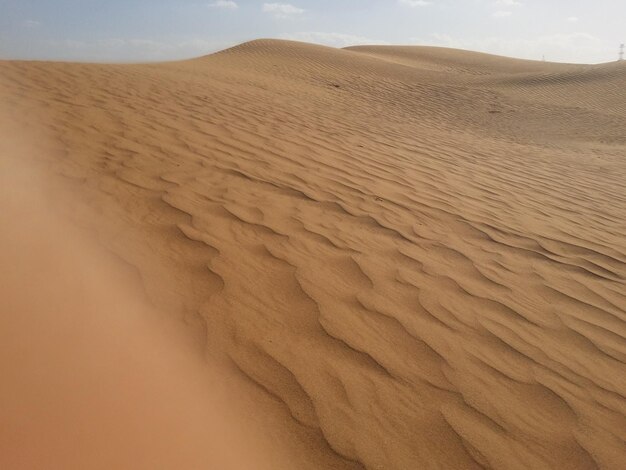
x,y
416,257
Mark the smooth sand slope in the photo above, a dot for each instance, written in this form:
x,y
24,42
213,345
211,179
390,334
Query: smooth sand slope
x,y
415,257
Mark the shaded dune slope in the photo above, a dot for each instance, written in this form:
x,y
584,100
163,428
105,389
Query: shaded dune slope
x,y
418,256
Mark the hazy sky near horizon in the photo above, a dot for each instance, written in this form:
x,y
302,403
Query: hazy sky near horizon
x,y
144,30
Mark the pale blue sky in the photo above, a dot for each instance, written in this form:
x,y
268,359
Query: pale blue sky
x,y
144,30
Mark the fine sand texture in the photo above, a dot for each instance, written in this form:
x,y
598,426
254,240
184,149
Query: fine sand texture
x,y
406,257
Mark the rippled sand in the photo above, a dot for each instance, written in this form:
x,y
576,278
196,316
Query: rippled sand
x,y
410,257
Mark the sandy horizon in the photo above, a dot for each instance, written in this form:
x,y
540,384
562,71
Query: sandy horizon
x,y
284,255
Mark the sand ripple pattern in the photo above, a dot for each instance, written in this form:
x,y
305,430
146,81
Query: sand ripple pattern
x,y
418,254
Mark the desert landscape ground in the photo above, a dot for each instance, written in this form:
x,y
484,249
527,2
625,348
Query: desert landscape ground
x,y
398,257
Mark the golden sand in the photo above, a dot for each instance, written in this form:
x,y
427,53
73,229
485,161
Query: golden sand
x,y
408,257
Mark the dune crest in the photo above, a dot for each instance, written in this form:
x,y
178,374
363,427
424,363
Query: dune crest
x,y
415,257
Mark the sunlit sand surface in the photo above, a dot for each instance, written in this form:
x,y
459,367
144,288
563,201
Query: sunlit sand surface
x,y
396,257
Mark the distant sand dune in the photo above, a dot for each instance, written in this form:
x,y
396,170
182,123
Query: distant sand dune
x,y
415,256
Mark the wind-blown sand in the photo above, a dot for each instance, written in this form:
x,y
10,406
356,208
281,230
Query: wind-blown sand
x,y
410,257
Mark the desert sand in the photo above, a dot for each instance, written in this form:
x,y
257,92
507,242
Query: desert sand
x,y
400,257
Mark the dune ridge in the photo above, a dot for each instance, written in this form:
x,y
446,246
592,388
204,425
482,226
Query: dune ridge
x,y
416,255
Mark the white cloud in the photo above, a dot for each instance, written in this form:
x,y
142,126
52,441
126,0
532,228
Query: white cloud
x,y
508,3
572,19
32,24
561,47
225,4
501,14
282,10
414,3
332,39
